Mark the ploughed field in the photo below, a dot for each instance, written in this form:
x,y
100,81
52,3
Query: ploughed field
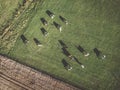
x,y
91,24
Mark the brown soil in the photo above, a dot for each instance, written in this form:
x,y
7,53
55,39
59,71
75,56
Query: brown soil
x,y
15,76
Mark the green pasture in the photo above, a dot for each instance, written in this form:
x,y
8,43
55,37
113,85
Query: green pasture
x,y
91,24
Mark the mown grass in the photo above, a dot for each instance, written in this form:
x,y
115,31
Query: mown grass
x,y
92,24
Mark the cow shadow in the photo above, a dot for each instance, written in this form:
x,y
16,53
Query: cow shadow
x,y
97,52
80,49
62,44
24,39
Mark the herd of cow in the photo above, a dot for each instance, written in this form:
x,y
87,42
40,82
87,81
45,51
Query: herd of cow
x,y
98,53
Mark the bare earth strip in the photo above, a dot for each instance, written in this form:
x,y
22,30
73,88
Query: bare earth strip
x,y
15,76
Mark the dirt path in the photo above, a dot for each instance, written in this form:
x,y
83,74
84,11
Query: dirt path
x,y
14,75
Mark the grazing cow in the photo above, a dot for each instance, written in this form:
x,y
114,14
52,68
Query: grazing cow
x,y
58,26
63,19
66,64
37,42
44,21
66,52
45,33
50,14
83,51
24,39
99,54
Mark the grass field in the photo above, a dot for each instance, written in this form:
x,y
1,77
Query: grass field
x,y
92,24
